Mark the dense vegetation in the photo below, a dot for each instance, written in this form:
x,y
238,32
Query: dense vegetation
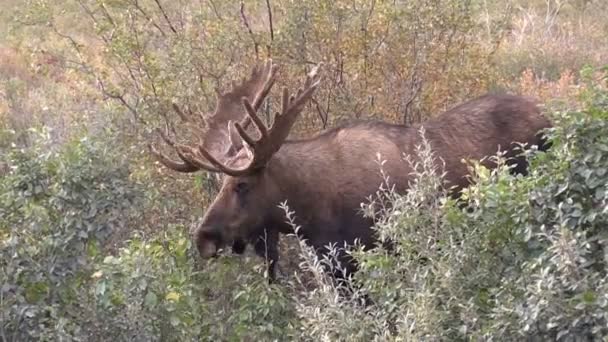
x,y
94,240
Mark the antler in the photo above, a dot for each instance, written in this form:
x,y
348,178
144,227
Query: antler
x,y
270,140
214,137
189,161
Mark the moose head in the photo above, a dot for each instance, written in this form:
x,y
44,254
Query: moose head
x,y
236,143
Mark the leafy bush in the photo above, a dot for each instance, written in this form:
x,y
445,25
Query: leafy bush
x,y
145,54
516,258
153,290
66,276
560,289
84,251
58,207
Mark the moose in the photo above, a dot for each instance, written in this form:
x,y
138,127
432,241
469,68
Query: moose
x,y
325,179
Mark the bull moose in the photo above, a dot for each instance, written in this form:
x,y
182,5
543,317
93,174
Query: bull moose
x,y
325,179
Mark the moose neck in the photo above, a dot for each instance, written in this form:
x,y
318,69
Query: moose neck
x,y
300,173
322,193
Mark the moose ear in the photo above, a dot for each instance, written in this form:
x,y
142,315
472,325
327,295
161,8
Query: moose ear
x,y
233,136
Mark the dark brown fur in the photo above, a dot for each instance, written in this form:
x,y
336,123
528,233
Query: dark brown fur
x,y
325,179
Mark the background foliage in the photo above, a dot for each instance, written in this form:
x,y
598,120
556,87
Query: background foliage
x,y
94,237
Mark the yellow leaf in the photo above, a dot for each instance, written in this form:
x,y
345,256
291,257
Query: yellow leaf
x,y
172,296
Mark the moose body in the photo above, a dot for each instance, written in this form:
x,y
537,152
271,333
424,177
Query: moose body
x,y
325,179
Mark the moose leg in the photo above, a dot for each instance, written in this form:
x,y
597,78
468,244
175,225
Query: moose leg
x,y
239,246
267,246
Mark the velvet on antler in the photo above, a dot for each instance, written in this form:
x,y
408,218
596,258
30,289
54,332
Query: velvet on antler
x,y
236,109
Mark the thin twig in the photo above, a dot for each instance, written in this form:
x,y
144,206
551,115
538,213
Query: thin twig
x,y
270,24
215,11
148,18
244,17
162,10
119,98
2,331
322,116
88,69
140,56
107,14
270,20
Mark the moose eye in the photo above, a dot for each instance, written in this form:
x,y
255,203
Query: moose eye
x,y
241,188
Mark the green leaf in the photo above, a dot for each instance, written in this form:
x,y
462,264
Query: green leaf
x,y
174,320
151,299
589,297
100,289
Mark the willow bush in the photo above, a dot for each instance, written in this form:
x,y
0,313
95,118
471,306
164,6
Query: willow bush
x,y
516,258
78,261
147,54
58,209
93,235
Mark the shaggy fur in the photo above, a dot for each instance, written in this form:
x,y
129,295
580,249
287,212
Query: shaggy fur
x,y
325,179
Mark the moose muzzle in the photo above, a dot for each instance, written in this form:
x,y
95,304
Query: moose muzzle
x,y
208,241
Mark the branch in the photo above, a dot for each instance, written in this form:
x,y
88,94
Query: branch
x,y
414,91
107,14
119,98
90,70
90,13
139,53
270,20
369,14
270,25
244,17
148,18
162,10
214,8
322,116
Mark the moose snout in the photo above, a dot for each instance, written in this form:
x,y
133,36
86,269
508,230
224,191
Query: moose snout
x,y
208,241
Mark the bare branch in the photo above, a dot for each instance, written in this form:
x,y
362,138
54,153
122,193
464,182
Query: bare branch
x,y
107,14
246,22
120,98
162,10
322,115
148,18
268,7
215,11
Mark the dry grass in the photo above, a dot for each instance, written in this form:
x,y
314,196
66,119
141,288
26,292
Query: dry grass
x,y
553,38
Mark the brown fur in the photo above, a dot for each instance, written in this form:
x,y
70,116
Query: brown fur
x,y
325,179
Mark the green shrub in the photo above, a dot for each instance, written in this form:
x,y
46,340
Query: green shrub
x,y
144,55
516,258
58,207
154,290
75,265
559,291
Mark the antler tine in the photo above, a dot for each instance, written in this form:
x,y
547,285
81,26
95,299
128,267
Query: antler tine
x,y
271,139
292,106
271,72
190,163
221,167
251,111
191,156
184,166
168,162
